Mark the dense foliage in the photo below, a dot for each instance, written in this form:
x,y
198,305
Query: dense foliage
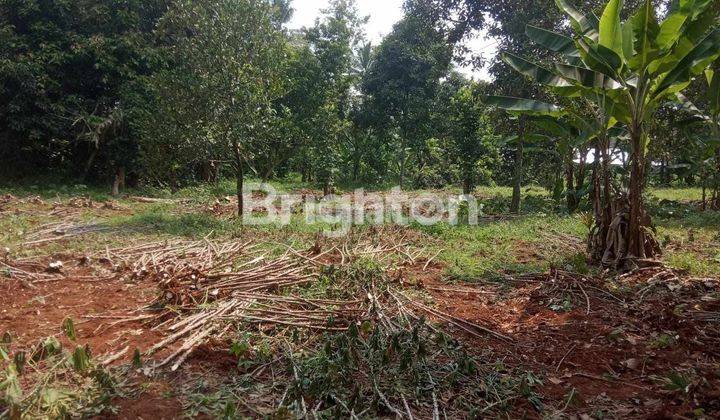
x,y
175,92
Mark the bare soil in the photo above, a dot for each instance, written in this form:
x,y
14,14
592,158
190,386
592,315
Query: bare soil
x,y
603,345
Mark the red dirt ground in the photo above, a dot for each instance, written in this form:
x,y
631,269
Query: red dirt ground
x,y
608,357
605,359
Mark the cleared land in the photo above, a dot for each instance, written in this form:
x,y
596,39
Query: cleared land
x,y
169,306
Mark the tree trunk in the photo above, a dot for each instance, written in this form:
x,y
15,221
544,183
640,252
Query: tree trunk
x,y
356,168
636,237
603,245
89,163
240,175
467,185
119,181
571,197
517,183
559,187
240,179
596,240
641,243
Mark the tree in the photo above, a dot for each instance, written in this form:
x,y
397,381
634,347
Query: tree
x,y
472,144
71,81
225,71
402,83
334,40
710,118
628,70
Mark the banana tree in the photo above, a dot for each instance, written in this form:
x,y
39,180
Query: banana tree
x,y
594,129
710,118
713,79
574,134
627,70
521,109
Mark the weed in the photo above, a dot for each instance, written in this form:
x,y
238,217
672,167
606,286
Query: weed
x,y
663,341
54,383
676,381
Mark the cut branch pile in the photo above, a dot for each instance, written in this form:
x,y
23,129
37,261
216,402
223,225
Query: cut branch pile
x,y
28,271
209,290
206,291
64,230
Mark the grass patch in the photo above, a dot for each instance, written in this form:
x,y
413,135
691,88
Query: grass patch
x,y
528,244
676,194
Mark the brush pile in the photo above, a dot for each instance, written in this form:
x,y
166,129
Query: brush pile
x,y
208,288
54,232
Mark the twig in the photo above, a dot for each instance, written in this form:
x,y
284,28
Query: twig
x,y
407,407
557,369
430,260
587,298
115,357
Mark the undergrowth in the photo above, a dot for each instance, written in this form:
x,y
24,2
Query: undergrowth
x,y
51,382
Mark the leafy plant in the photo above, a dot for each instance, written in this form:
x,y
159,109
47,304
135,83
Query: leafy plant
x,y
626,70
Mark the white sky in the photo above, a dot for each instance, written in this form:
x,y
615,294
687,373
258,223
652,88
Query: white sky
x,y
383,15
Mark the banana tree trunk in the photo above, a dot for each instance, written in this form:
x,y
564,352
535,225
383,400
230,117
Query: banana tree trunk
x,y
598,246
517,182
716,198
640,240
572,202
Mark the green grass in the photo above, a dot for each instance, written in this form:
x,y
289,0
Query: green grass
x,y
676,194
528,244
541,239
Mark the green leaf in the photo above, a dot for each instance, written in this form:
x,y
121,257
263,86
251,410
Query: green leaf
x,y
628,40
529,106
713,78
701,56
11,386
697,7
553,126
583,25
536,138
594,60
137,359
534,71
670,30
19,361
611,34
689,107
646,29
81,359
552,41
69,329
618,110
587,77
709,75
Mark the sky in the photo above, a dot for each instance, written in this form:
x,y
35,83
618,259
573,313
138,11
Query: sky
x,y
383,15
